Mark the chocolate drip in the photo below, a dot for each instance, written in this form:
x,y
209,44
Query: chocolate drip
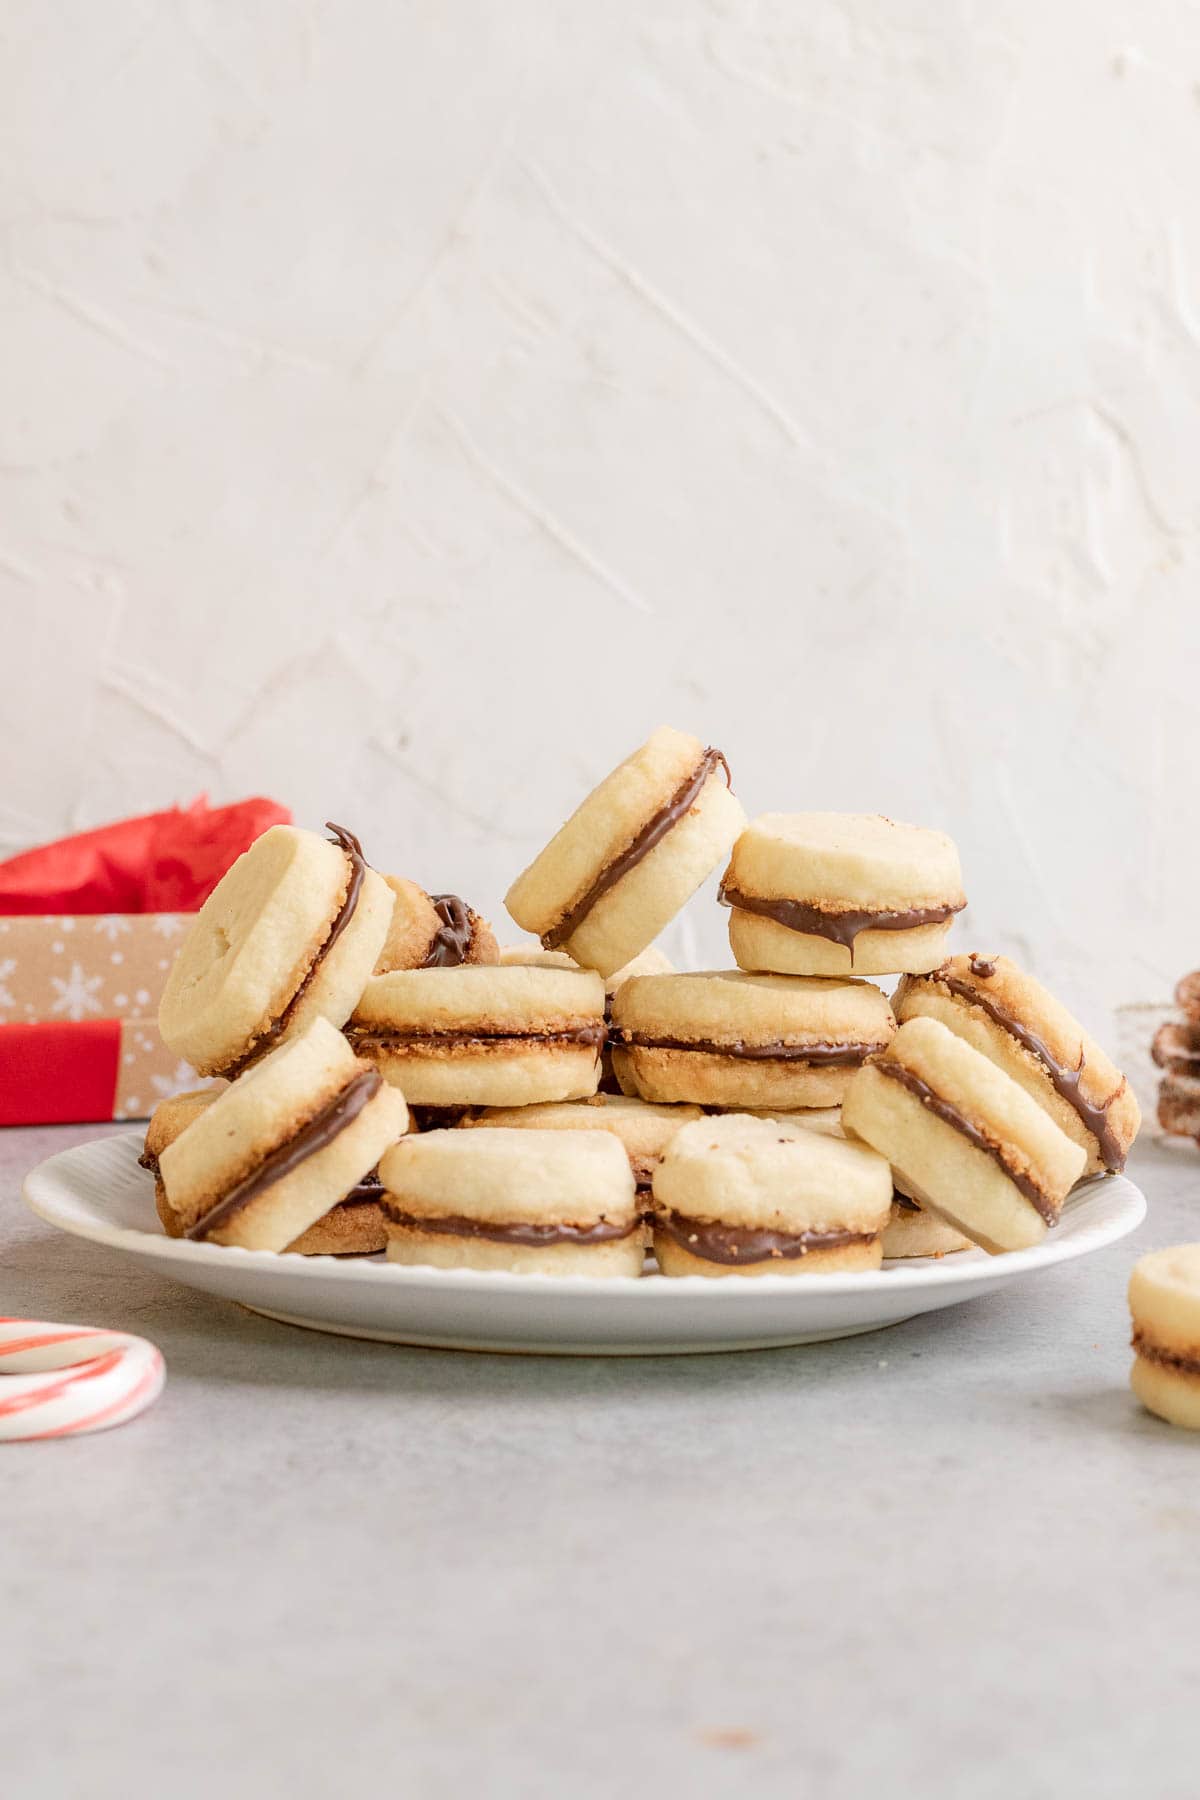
x,y
591,1035
267,1039
452,940
774,1051
602,1232
147,1160
842,926
739,1244
651,833
982,967
942,1109
1151,1352
321,1130
1067,1082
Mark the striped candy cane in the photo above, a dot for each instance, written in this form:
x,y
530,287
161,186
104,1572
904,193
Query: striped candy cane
x,y
58,1380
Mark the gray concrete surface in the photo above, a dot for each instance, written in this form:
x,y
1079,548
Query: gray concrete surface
x,y
950,1559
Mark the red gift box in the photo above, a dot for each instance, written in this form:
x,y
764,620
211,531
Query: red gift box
x,y
89,927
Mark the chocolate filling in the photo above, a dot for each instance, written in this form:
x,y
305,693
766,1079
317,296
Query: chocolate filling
x,y
1151,1352
346,841
452,939
320,1130
775,1051
651,833
592,1035
842,926
942,1109
903,1201
532,1235
1066,1081
741,1244
369,1188
982,966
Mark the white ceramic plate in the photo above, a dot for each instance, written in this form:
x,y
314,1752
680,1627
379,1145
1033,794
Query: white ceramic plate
x,y
98,1191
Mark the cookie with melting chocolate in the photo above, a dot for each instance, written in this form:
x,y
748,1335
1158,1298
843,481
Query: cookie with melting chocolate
x,y
433,931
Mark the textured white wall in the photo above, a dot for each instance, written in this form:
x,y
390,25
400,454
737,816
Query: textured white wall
x,y
407,406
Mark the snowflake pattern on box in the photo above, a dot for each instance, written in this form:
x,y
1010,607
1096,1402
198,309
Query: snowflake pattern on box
x,y
78,995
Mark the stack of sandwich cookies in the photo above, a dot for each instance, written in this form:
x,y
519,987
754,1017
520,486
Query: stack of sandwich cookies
x,y
840,894
283,1145
744,1196
290,934
633,852
964,1139
484,1036
527,1202
732,1040
1176,1050
643,1130
433,931
1012,1020
1164,1299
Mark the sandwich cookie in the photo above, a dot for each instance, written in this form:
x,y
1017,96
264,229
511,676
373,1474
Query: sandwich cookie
x,y
1164,1299
643,1130
964,1139
743,1196
279,1148
1176,1050
650,961
530,1202
290,934
840,893
505,1036
630,856
433,931
1012,1020
728,1039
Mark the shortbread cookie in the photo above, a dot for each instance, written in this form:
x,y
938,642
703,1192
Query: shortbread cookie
x,y
840,893
505,1036
433,931
1011,1018
531,1202
650,961
532,956
743,1196
630,856
727,1039
1176,1044
964,1139
911,1231
1164,1299
644,1130
289,935
281,1146
1179,1100
1187,996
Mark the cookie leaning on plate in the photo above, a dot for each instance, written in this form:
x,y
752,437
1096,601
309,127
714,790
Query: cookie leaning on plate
x,y
631,854
1164,1299
840,894
743,1196
290,934
1016,1023
281,1146
725,1038
433,931
503,1036
964,1139
529,1202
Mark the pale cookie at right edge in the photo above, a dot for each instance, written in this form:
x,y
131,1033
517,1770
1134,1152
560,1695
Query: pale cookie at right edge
x,y
281,1146
1016,1023
631,854
1164,1300
289,934
433,931
743,1196
964,1139
840,894
527,1202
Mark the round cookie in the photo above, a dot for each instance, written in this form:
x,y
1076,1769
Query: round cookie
x,y
643,1129
727,1039
1164,1300
529,1202
631,854
530,956
964,1139
433,931
840,894
1179,1100
1016,1023
504,1036
290,934
743,1196
281,1146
